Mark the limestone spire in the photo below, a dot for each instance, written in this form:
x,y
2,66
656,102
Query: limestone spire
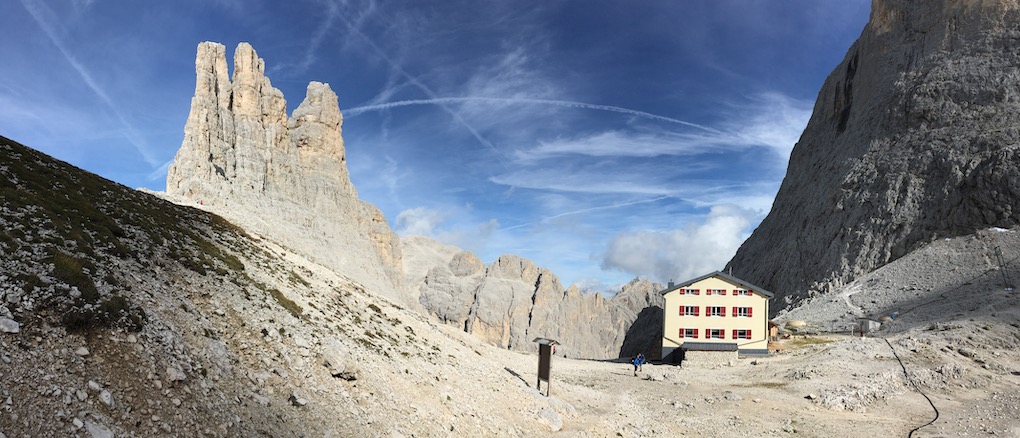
x,y
287,177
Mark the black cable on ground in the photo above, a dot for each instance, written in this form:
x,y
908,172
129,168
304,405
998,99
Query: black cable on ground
x,y
916,388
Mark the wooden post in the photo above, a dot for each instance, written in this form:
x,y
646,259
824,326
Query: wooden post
x,y
545,350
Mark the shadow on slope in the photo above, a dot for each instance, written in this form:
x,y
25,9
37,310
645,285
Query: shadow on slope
x,y
962,278
643,336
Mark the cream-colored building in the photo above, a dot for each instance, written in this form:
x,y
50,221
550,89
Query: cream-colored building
x,y
714,312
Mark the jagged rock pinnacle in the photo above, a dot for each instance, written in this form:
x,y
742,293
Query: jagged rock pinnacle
x,y
287,177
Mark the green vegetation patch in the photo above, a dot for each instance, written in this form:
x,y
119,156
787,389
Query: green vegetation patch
x,y
287,303
29,282
115,311
296,279
805,341
70,270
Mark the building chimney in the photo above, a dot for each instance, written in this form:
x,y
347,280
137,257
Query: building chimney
x,y
670,286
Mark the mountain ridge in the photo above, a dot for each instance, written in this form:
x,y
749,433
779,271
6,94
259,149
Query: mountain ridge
x,y
911,140
286,179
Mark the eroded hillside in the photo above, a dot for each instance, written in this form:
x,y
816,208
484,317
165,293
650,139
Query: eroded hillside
x,y
126,314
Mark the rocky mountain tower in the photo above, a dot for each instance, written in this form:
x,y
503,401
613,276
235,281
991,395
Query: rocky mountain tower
x,y
284,178
914,137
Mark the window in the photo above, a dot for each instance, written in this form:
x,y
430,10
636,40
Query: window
x,y
690,333
742,292
741,334
690,291
742,312
688,310
716,311
716,292
716,334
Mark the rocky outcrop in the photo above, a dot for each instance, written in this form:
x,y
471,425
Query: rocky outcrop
x,y
913,138
512,301
284,178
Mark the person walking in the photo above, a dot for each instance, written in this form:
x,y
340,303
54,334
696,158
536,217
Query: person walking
x,y
637,363
641,360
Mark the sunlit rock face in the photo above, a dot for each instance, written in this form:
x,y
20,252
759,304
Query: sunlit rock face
x,y
283,177
913,138
513,301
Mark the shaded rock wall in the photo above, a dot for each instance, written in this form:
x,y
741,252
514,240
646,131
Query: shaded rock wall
x,y
913,138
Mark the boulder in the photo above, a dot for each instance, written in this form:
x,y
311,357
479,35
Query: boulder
x,y
8,325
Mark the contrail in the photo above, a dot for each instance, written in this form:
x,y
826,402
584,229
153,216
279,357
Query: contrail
x,y
565,103
313,44
36,11
586,210
424,88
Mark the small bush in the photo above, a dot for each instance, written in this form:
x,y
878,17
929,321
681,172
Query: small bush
x,y
68,269
114,311
115,305
30,282
79,320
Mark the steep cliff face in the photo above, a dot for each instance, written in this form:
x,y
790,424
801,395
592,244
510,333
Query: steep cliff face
x,y
913,138
284,178
512,301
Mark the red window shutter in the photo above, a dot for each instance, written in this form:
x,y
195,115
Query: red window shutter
x,y
748,333
749,311
736,292
696,308
734,333
695,333
697,292
723,310
724,291
735,312
681,333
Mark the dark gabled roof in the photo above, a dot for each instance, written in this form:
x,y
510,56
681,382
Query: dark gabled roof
x,y
709,346
725,276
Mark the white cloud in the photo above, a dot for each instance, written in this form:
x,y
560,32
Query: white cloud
x,y
770,119
472,237
583,182
451,226
697,249
594,285
419,221
619,144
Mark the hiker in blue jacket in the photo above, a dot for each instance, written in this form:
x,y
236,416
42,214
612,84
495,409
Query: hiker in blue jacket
x,y
638,360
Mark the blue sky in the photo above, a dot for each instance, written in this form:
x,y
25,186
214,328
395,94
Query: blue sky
x,y
603,140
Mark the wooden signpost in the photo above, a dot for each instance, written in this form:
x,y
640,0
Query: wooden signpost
x,y
546,348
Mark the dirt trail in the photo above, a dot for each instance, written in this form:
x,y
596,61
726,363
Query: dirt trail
x,y
823,386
